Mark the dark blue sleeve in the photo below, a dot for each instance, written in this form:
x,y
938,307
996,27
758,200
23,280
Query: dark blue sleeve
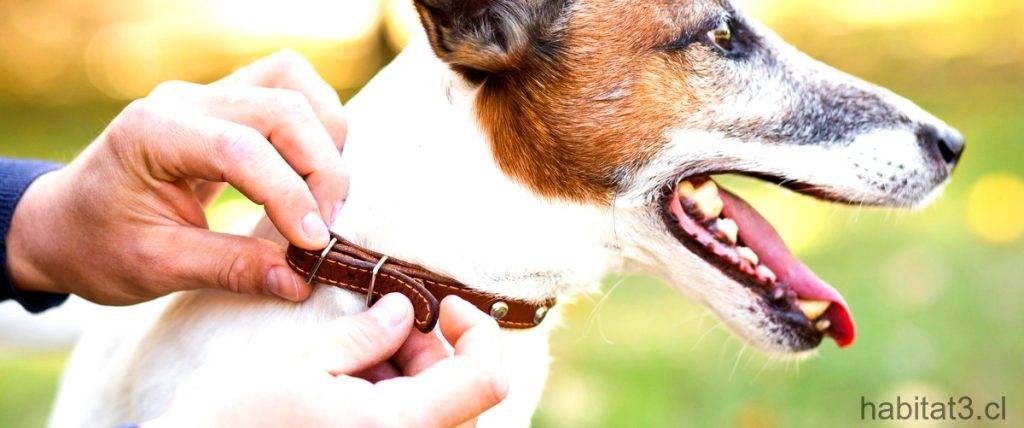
x,y
15,177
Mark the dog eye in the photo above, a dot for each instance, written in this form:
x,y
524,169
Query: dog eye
x,y
722,36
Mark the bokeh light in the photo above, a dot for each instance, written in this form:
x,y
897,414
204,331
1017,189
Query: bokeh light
x,y
995,208
400,20
318,19
914,277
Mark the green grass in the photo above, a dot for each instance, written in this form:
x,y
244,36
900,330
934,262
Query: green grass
x,y
940,311
28,381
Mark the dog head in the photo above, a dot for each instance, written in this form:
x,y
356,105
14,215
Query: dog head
x,y
632,105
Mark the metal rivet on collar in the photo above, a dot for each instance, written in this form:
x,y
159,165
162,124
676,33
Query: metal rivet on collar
x,y
499,309
540,314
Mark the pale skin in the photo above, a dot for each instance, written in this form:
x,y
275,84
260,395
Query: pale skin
x,y
339,380
124,223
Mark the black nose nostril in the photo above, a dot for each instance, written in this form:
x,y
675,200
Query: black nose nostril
x,y
950,150
948,141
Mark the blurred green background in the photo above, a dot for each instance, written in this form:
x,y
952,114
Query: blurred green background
x,y
937,294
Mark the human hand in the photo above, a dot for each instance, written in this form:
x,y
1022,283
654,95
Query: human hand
x,y
344,376
125,222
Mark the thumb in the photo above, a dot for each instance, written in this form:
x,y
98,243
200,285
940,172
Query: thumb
x,y
357,342
234,263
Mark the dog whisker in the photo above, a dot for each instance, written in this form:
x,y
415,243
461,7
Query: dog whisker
x,y
736,363
701,315
758,374
594,313
706,333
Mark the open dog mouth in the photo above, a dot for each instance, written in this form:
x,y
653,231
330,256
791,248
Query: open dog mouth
x,y
732,236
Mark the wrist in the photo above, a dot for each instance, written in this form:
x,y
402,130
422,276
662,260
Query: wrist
x,y
30,232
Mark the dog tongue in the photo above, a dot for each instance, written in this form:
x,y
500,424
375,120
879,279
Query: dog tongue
x,y
761,237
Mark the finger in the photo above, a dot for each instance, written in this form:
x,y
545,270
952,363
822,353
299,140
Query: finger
x,y
290,70
451,392
284,117
469,331
381,371
208,191
177,146
423,350
227,262
457,389
419,352
355,343
265,229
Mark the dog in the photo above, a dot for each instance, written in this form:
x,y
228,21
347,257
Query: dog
x,y
528,148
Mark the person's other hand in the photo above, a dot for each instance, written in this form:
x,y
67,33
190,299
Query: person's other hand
x,y
125,221
345,378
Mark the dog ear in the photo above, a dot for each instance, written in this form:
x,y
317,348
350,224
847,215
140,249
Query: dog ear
x,y
482,37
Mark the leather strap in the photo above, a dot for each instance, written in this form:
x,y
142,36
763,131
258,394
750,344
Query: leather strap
x,y
351,267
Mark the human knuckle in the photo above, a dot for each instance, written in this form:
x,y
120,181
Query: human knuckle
x,y
137,112
124,129
292,104
291,188
289,60
234,274
237,143
170,87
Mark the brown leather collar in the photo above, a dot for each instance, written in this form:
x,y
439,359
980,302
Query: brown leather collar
x,y
351,267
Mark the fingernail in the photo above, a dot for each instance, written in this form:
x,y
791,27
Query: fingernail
x,y
456,300
391,310
279,279
314,228
272,284
337,210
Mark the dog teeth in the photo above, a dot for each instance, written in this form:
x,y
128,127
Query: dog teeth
x,y
779,293
766,274
684,190
813,309
726,230
823,325
708,203
748,255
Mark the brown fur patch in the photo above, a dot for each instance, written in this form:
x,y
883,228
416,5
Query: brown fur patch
x,y
577,127
576,95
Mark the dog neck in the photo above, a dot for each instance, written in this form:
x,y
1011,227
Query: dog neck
x,y
425,188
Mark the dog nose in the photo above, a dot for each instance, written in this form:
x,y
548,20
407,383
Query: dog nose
x,y
948,141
